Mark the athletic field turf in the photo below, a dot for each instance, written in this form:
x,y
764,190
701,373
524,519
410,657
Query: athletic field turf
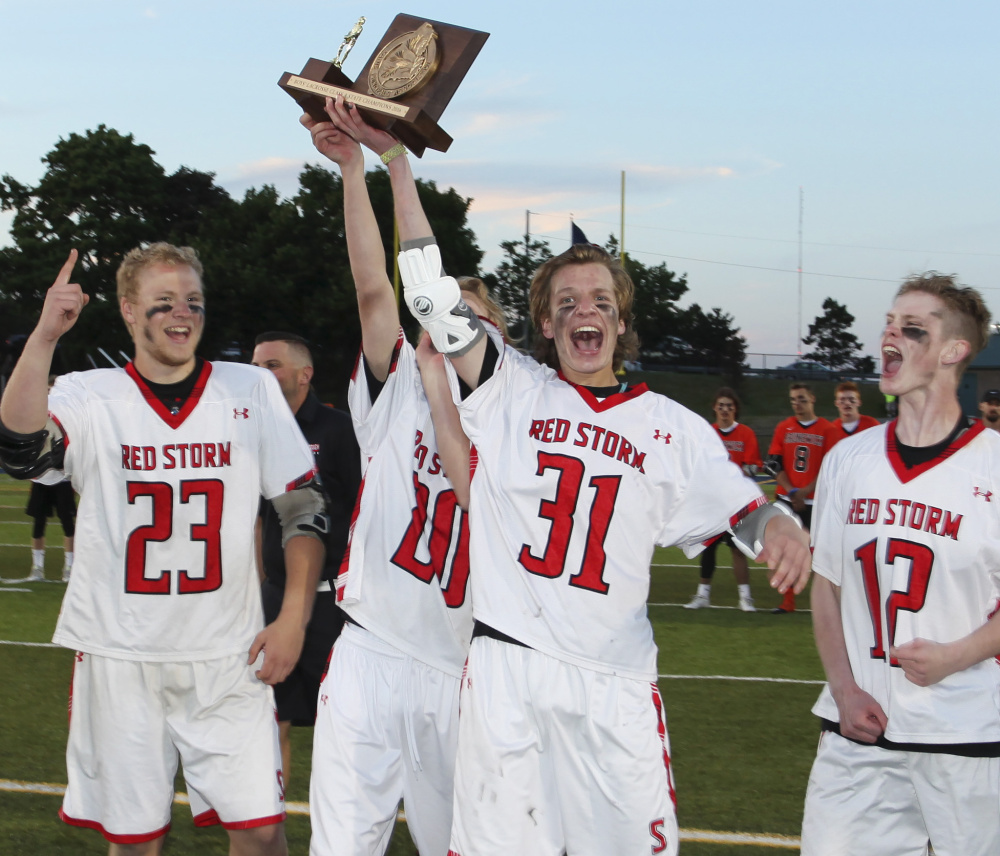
x,y
737,687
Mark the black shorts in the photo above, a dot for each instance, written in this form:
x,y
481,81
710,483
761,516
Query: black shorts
x,y
58,498
296,696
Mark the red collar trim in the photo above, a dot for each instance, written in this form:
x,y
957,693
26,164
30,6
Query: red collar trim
x,y
896,462
174,420
611,401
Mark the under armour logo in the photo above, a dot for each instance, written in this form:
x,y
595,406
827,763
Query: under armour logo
x,y
664,437
245,413
323,699
79,656
987,493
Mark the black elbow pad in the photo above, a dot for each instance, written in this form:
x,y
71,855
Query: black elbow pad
x,y
27,456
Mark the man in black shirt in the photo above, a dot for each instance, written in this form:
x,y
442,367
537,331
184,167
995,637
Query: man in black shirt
x,y
330,434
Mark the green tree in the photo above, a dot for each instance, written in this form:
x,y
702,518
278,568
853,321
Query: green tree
x,y
102,193
713,340
835,346
511,282
657,290
270,263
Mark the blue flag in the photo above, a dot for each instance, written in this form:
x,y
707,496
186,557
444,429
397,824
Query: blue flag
x,y
576,235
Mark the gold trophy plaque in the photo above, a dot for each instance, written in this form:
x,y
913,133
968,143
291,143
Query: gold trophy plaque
x,y
406,84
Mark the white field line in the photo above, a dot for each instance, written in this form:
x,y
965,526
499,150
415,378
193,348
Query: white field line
x,y
746,678
301,808
32,644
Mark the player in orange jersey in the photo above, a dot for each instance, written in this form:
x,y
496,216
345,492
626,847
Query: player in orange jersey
x,y
851,420
741,443
796,451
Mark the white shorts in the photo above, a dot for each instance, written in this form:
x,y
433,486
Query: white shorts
x,y
553,758
129,723
868,801
386,729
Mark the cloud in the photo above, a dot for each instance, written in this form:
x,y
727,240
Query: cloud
x,y
677,174
269,166
497,122
151,13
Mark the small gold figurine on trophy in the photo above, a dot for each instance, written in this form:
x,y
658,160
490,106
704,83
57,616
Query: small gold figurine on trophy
x,y
348,43
406,84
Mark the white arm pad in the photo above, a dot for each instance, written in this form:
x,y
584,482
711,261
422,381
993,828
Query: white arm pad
x,y
302,512
436,302
748,534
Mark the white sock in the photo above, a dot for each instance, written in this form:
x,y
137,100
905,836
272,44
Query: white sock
x,y
704,590
744,590
38,558
68,564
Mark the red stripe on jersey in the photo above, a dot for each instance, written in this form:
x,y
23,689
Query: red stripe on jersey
x,y
59,425
661,727
473,460
896,462
305,478
346,561
746,510
142,838
611,401
400,338
174,420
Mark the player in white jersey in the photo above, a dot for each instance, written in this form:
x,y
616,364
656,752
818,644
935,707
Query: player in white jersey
x,y
170,456
388,713
907,561
563,743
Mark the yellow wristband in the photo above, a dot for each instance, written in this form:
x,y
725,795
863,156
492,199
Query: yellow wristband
x,y
393,153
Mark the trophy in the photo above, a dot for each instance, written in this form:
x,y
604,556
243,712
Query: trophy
x,y
406,84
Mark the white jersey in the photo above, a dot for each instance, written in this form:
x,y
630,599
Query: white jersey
x,y
569,498
406,569
165,567
916,554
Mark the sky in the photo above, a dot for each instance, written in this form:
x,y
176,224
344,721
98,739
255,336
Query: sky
x,y
881,116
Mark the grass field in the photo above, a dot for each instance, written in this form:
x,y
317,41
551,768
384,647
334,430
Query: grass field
x,y
737,687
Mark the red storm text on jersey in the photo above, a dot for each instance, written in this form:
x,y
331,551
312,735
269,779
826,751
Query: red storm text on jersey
x,y
571,495
916,554
165,567
801,448
405,573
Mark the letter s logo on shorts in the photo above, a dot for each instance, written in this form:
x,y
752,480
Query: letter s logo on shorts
x,y
656,830
423,306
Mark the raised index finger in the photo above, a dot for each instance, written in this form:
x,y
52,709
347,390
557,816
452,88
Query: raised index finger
x,y
67,269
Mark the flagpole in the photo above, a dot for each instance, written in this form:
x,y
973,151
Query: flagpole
x,y
527,259
621,248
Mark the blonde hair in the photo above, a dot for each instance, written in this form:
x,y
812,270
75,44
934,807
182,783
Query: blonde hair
x,y
160,253
477,288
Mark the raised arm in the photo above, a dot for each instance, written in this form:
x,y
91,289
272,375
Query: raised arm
x,y
376,300
452,444
24,408
415,235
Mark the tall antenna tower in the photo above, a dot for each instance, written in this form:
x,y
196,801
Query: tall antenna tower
x,y
799,340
